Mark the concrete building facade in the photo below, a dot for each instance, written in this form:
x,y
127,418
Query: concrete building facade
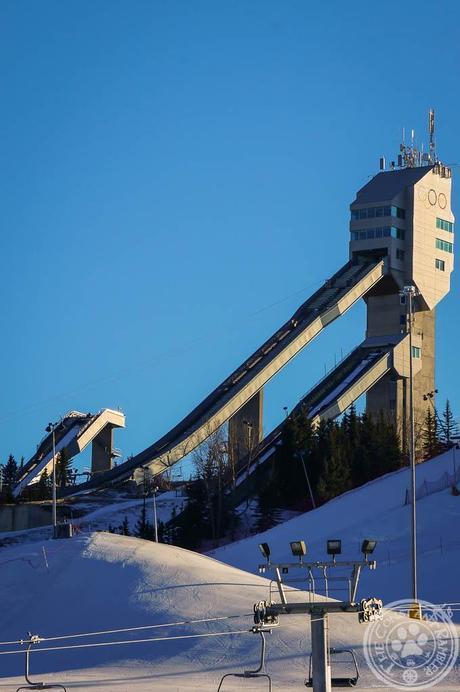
x,y
405,216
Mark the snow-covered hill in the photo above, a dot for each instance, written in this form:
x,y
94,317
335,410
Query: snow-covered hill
x,y
100,581
378,510
106,582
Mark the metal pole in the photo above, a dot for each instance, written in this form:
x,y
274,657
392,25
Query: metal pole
x,y
308,481
321,668
409,295
155,513
54,484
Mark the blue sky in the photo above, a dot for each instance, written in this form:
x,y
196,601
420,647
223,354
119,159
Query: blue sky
x,y
175,181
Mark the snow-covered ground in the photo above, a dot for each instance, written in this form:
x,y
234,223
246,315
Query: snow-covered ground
x,y
377,510
106,582
113,514
100,581
104,511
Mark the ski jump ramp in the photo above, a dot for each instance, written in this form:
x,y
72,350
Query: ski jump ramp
x,y
73,434
337,295
333,299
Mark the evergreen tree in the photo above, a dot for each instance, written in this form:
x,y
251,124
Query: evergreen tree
x,y
336,476
388,452
44,486
124,528
192,525
430,436
10,472
449,428
9,477
351,425
162,533
64,470
267,513
144,529
289,472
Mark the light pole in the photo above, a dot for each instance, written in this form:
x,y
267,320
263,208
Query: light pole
x,y
308,481
300,454
51,428
155,512
410,292
454,447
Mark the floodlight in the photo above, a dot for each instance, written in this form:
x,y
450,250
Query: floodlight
x,y
334,547
265,550
368,547
299,548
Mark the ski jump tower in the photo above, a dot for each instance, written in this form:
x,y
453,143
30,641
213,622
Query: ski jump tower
x,y
404,214
401,236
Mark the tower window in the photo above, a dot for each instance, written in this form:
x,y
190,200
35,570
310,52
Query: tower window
x,y
373,212
400,254
440,264
416,352
444,245
380,232
398,212
444,225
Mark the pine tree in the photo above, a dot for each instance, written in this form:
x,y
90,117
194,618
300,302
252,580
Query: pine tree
x,y
388,452
10,472
125,527
64,470
336,477
9,478
430,437
162,533
449,428
143,528
44,486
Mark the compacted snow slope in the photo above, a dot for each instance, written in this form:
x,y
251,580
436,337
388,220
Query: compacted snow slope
x,y
104,582
377,510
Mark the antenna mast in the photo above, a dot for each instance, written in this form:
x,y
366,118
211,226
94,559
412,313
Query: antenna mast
x,y
433,157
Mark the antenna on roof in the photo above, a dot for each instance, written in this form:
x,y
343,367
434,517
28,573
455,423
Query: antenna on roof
x,y
433,157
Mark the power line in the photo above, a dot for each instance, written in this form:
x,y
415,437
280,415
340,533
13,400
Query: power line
x,y
174,353
133,629
127,641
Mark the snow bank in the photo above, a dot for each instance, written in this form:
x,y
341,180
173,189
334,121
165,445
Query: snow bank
x,y
377,510
106,581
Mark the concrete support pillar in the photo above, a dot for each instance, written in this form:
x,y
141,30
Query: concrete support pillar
x,y
245,429
102,449
386,318
321,666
